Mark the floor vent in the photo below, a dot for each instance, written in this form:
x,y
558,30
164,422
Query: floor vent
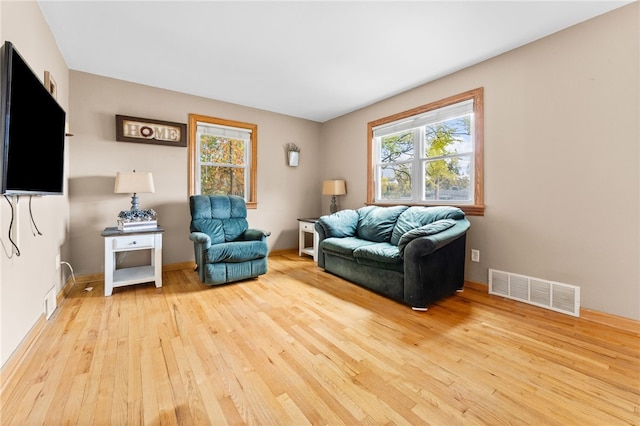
x,y
564,298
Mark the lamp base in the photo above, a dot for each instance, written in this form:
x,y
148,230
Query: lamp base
x,y
334,207
135,205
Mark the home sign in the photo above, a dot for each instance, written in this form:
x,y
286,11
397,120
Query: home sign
x,y
146,130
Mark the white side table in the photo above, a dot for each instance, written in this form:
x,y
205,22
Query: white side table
x,y
116,241
305,227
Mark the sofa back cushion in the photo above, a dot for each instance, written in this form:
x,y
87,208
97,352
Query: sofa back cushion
x,y
222,217
340,224
417,216
377,223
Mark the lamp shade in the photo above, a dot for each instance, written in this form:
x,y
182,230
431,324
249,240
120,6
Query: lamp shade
x,y
131,183
334,187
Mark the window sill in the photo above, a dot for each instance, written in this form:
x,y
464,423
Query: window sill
x,y
469,210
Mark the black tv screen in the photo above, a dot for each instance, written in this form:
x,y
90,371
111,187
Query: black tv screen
x,y
32,130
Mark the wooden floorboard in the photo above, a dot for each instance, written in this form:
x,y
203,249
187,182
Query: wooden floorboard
x,y
300,346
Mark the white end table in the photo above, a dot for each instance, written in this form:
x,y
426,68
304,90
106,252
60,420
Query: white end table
x,y
116,241
305,227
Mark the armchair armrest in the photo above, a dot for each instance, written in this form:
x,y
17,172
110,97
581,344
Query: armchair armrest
x,y
201,238
201,242
255,234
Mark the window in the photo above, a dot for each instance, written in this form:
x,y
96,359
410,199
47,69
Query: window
x,y
430,155
222,157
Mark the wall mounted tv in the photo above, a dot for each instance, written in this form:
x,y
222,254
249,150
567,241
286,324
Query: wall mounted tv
x,y
32,130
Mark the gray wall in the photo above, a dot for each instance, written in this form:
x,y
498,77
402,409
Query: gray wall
x,y
561,159
284,193
26,279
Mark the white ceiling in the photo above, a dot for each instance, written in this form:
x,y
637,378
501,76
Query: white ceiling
x,y
313,60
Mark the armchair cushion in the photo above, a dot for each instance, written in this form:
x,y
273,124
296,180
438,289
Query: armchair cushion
x,y
236,251
255,234
221,217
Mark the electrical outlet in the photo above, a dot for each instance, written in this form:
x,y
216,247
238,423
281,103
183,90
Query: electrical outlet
x,y
475,255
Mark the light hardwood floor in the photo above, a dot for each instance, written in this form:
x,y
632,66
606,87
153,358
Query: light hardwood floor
x,y
299,346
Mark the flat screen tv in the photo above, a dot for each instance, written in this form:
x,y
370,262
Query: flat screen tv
x,y
32,130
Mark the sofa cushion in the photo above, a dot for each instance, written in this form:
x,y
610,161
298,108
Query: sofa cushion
x,y
429,229
344,246
379,252
340,224
236,251
417,216
377,223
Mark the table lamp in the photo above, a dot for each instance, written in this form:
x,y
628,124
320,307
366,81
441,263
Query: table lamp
x,y
134,183
334,187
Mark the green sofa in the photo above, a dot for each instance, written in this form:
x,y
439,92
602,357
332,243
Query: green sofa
x,y
414,255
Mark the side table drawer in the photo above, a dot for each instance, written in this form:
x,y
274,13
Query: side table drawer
x,y
133,242
308,227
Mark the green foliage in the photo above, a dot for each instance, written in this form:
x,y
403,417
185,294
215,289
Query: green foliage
x,y
442,167
222,166
397,147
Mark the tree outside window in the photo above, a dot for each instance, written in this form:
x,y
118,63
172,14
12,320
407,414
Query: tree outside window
x,y
430,155
222,157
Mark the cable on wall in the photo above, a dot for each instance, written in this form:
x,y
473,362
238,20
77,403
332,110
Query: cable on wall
x,y
73,277
33,222
17,250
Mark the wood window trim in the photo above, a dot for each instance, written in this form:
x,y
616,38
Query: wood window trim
x,y
252,199
475,209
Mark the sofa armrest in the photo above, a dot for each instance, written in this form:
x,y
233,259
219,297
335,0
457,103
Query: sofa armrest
x,y
424,245
430,276
255,235
321,237
434,265
340,224
434,235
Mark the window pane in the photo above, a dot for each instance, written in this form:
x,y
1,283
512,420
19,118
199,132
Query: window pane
x,y
448,179
215,149
395,182
448,137
397,147
443,142
222,180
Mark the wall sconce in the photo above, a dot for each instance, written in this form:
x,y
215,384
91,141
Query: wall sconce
x,y
133,183
334,187
293,154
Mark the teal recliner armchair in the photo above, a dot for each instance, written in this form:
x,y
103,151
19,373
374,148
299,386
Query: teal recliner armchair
x,y
226,250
